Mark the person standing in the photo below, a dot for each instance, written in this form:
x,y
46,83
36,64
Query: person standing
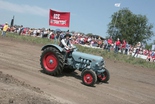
x,y
127,46
109,43
21,29
138,46
57,36
123,48
118,43
50,34
105,43
5,28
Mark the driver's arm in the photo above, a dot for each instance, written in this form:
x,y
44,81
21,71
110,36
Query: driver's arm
x,y
71,44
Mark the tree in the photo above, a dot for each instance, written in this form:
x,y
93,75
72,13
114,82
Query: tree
x,y
131,27
148,46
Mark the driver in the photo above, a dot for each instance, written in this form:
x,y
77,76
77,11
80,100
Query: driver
x,y
66,42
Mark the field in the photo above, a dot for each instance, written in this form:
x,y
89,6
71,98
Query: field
x,y
22,81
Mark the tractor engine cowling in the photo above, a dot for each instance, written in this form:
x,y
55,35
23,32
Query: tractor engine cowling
x,y
90,61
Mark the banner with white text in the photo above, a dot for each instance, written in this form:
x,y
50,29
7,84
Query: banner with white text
x,y
60,19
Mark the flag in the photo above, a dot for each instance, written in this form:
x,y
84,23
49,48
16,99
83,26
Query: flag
x,y
12,22
60,19
117,4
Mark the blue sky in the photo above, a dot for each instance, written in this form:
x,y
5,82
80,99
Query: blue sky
x,y
88,16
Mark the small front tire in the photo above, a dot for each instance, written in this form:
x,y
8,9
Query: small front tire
x,y
104,77
89,77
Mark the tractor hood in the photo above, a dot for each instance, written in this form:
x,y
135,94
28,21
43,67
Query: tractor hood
x,y
93,58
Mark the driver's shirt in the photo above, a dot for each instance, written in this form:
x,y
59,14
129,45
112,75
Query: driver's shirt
x,y
66,42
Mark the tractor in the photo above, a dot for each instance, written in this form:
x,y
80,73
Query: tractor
x,y
54,60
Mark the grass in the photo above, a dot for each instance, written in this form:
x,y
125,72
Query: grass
x,y
99,52
29,38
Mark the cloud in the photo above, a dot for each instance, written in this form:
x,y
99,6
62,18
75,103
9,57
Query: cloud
x,y
35,10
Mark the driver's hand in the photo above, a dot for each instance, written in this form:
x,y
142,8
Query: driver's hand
x,y
67,47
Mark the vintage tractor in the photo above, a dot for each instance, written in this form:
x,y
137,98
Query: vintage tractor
x,y
54,61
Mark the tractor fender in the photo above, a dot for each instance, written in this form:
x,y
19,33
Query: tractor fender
x,y
52,45
83,70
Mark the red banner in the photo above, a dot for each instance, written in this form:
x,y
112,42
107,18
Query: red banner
x,y
60,19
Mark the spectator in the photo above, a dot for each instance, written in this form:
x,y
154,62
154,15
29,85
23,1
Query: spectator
x,y
57,36
67,32
49,35
117,45
105,44
21,29
30,32
38,32
151,56
109,43
89,39
62,34
100,43
34,32
5,28
127,47
123,48
137,49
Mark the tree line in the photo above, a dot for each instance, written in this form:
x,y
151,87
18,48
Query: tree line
x,y
129,26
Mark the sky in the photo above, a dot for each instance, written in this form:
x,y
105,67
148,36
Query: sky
x,y
87,16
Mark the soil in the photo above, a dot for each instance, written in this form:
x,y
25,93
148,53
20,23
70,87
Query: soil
x,y
23,82
13,91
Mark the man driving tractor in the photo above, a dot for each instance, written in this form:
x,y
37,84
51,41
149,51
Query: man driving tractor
x,y
66,44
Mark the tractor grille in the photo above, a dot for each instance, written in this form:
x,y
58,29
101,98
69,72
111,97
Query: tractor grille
x,y
101,64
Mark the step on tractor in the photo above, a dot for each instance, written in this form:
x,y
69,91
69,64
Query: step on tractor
x,y
54,60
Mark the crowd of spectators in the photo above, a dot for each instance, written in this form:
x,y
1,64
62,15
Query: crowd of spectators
x,y
108,44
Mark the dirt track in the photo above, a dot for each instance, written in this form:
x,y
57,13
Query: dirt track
x,y
128,84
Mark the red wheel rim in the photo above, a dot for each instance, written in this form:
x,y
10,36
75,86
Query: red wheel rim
x,y
102,77
50,62
88,78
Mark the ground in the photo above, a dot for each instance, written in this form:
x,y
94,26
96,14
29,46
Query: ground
x,y
13,91
22,81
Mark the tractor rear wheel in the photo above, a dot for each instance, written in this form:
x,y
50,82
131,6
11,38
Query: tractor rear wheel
x,y
51,61
104,77
89,77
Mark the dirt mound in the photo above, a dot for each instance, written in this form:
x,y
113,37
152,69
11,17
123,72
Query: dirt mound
x,y
13,91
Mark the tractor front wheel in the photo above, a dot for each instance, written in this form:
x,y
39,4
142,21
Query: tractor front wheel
x,y
89,77
104,77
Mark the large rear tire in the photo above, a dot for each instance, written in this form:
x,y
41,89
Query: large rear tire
x,y
104,77
89,77
51,61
